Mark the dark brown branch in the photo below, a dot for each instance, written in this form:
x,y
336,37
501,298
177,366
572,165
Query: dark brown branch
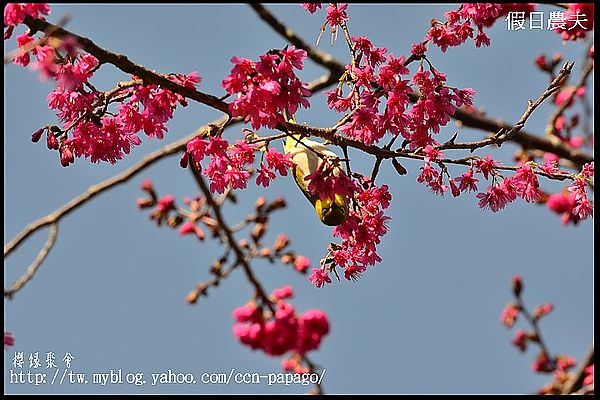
x,y
504,136
524,139
124,64
465,118
123,177
32,269
231,242
576,382
109,183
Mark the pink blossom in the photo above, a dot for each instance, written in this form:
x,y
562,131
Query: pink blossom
x,y
9,338
14,13
509,315
564,204
336,101
543,309
22,57
588,170
526,182
313,326
520,340
584,207
542,363
437,186
336,14
583,12
353,272
283,293
362,230
197,148
418,49
311,7
264,176
301,264
278,161
432,154
497,196
267,88
467,181
189,227
564,362
249,312
319,277
487,165
454,188
166,203
428,174
589,375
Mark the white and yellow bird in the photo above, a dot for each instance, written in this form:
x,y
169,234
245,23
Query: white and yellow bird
x,y
305,155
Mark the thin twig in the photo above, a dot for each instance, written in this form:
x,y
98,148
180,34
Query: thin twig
x,y
223,227
109,183
318,56
147,161
466,118
32,269
551,128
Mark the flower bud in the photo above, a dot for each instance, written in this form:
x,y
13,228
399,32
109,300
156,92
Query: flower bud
x,y
517,285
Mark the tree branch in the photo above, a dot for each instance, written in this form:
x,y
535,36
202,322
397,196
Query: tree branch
x,y
109,183
465,118
124,176
576,381
232,243
124,64
320,57
32,269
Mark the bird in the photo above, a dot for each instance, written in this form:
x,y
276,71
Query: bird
x,y
306,155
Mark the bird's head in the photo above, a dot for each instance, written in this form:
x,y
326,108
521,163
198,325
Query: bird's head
x,y
332,212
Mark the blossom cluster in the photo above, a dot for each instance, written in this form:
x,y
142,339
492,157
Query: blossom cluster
x,y
559,364
584,14
360,234
88,128
268,89
282,332
461,23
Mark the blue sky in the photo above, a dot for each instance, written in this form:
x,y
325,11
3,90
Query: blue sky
x,y
425,320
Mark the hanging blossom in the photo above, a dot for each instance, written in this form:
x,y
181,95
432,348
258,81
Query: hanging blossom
x,y
268,88
336,16
87,129
584,207
461,23
284,332
360,234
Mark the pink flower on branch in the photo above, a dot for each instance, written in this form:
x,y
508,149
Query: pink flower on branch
x,y
14,13
268,88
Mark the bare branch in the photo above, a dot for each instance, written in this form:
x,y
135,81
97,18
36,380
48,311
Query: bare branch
x,y
32,269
